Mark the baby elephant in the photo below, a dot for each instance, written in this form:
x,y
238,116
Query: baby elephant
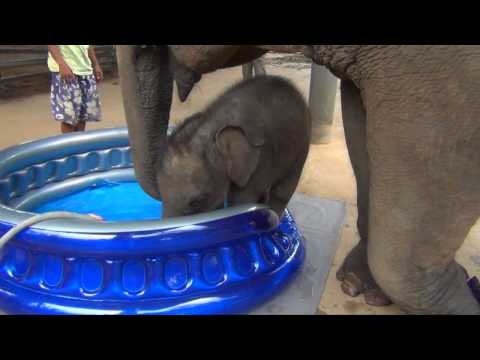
x,y
249,146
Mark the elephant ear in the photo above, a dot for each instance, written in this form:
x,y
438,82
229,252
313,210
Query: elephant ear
x,y
240,156
229,111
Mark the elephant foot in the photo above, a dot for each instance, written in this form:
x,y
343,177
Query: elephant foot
x,y
357,279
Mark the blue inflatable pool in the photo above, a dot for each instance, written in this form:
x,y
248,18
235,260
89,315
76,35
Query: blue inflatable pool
x,y
224,262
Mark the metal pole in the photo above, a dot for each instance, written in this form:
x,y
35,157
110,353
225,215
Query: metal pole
x,y
323,95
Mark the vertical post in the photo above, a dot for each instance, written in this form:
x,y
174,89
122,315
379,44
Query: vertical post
x,y
114,61
323,95
255,67
247,71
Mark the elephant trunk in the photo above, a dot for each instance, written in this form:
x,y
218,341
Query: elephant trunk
x,y
147,88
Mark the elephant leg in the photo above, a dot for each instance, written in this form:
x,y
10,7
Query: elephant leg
x,y
416,267
282,192
355,274
259,67
255,67
276,197
424,199
247,71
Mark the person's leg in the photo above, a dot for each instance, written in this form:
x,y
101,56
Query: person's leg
x,y
81,126
67,128
90,106
57,99
65,98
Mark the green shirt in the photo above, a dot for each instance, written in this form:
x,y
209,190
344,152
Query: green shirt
x,y
76,57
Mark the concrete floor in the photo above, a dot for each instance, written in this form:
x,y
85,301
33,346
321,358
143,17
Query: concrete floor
x,y
327,174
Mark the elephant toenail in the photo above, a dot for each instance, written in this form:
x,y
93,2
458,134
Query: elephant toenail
x,y
352,285
377,298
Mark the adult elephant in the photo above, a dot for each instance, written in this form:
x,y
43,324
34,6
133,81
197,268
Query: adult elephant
x,y
411,118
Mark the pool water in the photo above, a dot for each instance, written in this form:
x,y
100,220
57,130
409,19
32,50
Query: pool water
x,y
114,202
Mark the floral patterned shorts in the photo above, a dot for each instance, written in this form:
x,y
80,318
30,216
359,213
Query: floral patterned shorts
x,y
75,101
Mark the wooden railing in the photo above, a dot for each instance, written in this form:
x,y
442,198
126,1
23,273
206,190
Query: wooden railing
x,y
20,62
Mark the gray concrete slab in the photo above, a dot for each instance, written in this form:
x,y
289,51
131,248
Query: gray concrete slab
x,y
320,222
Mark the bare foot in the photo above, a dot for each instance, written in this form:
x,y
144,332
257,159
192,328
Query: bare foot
x,y
357,279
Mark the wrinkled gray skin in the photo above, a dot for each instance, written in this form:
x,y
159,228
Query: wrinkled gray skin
x,y
249,146
411,117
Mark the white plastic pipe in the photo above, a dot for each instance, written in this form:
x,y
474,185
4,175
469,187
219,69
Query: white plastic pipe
x,y
41,218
